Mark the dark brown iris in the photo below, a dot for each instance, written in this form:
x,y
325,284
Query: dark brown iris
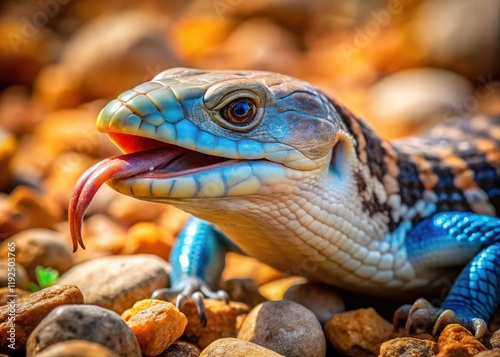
x,y
239,112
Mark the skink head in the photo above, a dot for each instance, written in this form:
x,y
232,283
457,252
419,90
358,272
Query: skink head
x,y
233,114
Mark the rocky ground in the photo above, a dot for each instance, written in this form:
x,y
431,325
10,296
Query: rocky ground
x,y
397,63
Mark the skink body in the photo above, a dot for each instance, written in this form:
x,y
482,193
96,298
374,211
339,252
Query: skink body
x,y
294,179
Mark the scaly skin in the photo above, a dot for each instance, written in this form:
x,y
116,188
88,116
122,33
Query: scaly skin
x,y
306,187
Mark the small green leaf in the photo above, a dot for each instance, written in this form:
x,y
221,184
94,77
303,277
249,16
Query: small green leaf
x,y
46,276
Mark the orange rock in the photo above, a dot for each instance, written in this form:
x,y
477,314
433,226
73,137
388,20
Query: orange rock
x,y
31,309
223,320
358,332
148,238
457,334
156,324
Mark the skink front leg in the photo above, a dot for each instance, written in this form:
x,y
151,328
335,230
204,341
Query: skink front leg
x,y
475,296
197,260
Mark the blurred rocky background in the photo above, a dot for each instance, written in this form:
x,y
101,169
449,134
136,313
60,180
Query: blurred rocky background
x,y
401,65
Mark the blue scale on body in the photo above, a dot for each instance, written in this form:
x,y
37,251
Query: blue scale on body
x,y
475,238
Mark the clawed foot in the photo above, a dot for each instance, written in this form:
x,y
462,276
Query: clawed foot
x,y
193,290
422,316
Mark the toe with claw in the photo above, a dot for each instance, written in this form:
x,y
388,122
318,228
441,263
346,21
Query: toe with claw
x,y
422,316
194,290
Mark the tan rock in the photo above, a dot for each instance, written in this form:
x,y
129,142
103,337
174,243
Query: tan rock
x,y
156,324
117,282
223,320
233,347
276,289
358,332
284,327
76,348
31,309
457,334
408,347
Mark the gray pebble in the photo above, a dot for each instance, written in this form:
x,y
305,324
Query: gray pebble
x,y
84,322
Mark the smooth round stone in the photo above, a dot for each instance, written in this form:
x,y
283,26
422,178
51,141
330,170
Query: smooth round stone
x,y
117,282
76,348
233,347
31,309
84,322
284,327
40,247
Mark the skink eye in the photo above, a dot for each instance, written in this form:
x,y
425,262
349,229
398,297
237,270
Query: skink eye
x,y
239,112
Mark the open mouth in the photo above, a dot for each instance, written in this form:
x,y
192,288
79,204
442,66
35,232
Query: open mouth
x,y
145,158
178,161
